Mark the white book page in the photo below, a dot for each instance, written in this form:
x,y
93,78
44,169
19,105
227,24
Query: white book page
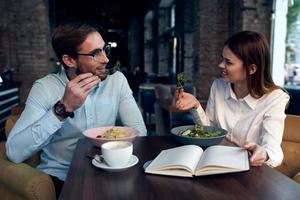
x,y
173,172
186,157
225,156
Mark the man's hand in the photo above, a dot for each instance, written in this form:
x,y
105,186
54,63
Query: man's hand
x,y
258,154
78,89
185,101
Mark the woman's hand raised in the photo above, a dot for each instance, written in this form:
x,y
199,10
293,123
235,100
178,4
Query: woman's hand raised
x,y
185,101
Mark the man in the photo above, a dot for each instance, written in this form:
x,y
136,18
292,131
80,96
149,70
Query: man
x,y
60,106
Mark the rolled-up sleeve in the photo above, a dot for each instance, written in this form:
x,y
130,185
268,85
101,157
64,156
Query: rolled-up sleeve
x,y
34,128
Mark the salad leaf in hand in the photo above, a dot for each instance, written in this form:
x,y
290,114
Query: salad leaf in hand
x,y
180,80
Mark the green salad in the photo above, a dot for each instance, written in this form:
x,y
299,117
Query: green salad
x,y
180,80
199,132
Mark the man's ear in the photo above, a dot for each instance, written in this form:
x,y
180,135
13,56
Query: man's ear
x,y
252,69
69,61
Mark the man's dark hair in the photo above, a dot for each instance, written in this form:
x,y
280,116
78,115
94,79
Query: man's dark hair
x,y
67,38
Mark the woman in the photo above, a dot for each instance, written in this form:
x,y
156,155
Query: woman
x,y
245,102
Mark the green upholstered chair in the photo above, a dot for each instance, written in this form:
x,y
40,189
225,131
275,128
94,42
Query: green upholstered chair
x,y
22,181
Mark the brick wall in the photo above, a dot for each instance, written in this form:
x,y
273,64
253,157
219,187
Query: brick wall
x,y
135,42
215,21
211,31
24,39
206,24
188,21
148,46
257,16
163,46
3,36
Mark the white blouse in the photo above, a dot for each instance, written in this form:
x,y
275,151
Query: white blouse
x,y
248,119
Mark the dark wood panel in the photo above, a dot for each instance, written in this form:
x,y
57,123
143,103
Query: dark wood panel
x,y
9,97
9,105
4,115
6,86
2,134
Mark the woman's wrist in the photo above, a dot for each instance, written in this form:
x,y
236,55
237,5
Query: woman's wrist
x,y
267,156
197,104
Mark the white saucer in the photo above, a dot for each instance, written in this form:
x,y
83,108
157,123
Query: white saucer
x,y
132,161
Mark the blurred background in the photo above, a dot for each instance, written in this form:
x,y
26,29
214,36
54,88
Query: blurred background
x,y
154,40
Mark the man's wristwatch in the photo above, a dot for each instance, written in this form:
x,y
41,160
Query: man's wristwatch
x,y
60,110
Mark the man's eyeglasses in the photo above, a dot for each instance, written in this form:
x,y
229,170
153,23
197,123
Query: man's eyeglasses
x,y
96,54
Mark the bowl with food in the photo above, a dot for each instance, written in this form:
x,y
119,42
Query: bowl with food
x,y
100,135
199,135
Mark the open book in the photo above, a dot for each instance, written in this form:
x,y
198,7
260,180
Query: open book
x,y
191,160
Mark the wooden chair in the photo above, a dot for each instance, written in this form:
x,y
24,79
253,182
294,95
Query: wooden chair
x,y
147,104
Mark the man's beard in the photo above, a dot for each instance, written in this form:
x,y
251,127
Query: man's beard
x,y
79,71
72,72
103,76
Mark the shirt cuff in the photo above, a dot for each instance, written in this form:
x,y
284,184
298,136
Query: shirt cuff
x,y
275,158
199,115
195,115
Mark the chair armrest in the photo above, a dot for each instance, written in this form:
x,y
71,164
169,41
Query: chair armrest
x,y
291,163
2,151
297,177
10,122
33,161
25,180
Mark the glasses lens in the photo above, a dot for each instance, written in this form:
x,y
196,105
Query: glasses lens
x,y
97,53
106,49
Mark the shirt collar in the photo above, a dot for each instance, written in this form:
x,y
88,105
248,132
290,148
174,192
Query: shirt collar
x,y
229,92
249,100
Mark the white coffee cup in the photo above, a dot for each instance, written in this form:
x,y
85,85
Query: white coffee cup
x,y
117,153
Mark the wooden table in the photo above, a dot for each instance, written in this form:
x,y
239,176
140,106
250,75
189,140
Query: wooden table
x,y
84,181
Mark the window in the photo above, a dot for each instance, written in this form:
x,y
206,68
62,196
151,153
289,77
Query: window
x,y
292,58
172,16
286,41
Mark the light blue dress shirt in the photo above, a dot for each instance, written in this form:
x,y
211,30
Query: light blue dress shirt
x,y
39,129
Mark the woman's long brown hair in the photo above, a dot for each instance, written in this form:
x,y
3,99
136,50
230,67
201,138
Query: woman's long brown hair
x,y
252,48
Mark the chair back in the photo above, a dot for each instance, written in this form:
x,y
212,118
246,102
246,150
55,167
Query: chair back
x,y
292,128
147,101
